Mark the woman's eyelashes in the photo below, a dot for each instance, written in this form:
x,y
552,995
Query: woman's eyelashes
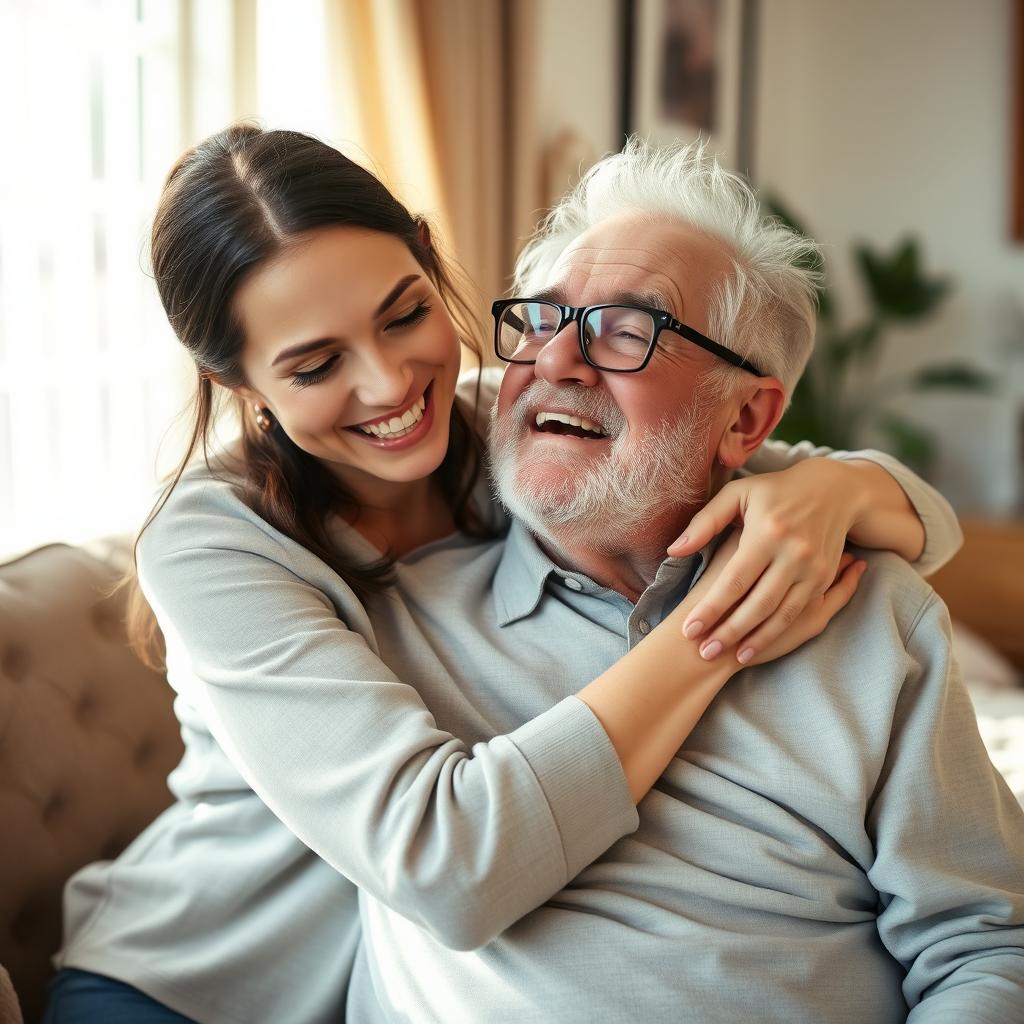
x,y
303,378
411,318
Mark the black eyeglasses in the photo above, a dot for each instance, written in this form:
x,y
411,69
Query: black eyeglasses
x,y
616,338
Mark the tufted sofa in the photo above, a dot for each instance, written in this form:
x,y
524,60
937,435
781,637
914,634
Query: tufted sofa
x,y
87,738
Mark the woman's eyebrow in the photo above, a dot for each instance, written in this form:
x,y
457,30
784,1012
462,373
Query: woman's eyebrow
x,y
301,349
392,296
305,347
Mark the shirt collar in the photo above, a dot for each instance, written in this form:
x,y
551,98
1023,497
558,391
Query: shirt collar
x,y
521,575
524,569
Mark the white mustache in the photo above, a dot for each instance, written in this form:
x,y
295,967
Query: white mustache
x,y
591,403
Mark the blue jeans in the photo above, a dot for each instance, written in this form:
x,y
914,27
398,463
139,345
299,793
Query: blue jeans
x,y
80,997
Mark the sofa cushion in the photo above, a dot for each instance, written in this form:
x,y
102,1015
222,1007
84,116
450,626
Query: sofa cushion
x,y
87,738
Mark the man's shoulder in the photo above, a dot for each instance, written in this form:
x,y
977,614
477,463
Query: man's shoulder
x,y
892,588
891,628
873,634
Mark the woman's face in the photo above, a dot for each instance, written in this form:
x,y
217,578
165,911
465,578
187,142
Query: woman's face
x,y
350,347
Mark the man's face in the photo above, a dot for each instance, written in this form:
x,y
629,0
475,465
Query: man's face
x,y
661,429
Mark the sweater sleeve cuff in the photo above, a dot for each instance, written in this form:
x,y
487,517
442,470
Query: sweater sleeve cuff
x,y
943,537
582,779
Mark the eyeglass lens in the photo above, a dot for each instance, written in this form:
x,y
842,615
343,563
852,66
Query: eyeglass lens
x,y
615,337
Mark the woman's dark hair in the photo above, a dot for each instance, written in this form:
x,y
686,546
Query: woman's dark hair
x,y
230,204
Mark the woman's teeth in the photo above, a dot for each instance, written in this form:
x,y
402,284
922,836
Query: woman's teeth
x,y
398,426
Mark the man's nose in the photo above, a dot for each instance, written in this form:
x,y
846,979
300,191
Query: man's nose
x,y
561,359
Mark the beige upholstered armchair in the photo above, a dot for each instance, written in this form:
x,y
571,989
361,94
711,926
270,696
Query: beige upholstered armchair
x,y
87,738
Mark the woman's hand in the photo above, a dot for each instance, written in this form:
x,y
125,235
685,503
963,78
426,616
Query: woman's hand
x,y
789,553
814,616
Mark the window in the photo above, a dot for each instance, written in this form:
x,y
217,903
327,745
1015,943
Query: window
x,y
97,99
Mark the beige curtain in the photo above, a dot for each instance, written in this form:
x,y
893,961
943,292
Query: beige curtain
x,y
437,96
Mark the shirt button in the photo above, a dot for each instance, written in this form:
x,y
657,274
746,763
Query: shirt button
x,y
573,584
645,626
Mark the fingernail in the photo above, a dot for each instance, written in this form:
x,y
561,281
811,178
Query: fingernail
x,y
711,650
695,628
863,567
682,540
745,655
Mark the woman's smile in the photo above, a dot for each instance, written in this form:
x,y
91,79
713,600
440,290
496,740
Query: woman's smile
x,y
402,428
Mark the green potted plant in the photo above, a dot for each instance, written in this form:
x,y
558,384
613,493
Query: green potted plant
x,y
841,394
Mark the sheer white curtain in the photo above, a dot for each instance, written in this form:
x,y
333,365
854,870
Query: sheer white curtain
x,y
96,101
436,96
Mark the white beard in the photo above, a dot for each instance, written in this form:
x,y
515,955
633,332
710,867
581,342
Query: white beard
x,y
606,502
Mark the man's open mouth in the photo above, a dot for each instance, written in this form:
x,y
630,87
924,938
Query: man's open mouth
x,y
565,423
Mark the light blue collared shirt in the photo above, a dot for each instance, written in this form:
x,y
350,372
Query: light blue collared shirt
x,y
831,844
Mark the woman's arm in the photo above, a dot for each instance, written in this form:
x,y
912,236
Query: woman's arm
x,y
644,724
462,842
893,507
897,510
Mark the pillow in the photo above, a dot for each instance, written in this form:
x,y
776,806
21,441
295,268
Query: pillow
x,y
983,666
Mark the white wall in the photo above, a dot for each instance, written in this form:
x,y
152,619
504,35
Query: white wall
x,y
874,119
578,77
878,119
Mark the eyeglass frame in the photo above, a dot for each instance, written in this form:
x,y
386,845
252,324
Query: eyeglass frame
x,y
577,314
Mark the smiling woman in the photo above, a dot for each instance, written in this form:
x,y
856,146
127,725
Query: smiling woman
x,y
385,365
329,313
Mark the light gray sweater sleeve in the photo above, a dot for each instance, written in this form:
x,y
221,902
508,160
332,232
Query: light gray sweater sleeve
x,y
943,537
462,842
949,848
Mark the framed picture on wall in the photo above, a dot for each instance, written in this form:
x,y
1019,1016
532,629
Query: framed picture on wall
x,y
688,72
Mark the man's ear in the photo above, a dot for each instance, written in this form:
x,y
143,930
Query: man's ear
x,y
760,409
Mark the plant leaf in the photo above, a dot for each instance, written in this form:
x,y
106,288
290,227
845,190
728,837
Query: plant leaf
x,y
819,417
953,376
842,346
801,419
897,284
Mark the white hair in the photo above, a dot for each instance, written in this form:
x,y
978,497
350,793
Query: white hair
x,y
764,311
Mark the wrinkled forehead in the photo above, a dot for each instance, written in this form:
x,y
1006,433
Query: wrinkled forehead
x,y
666,263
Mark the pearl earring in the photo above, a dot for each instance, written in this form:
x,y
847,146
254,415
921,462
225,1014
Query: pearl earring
x,y
264,420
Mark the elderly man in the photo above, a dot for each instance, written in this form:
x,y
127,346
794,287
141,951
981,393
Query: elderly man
x,y
832,843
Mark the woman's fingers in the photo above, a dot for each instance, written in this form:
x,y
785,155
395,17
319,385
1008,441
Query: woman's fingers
x,y
735,580
723,509
762,615
837,597
816,618
802,599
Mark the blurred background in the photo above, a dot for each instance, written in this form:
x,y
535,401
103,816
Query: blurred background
x,y
891,133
